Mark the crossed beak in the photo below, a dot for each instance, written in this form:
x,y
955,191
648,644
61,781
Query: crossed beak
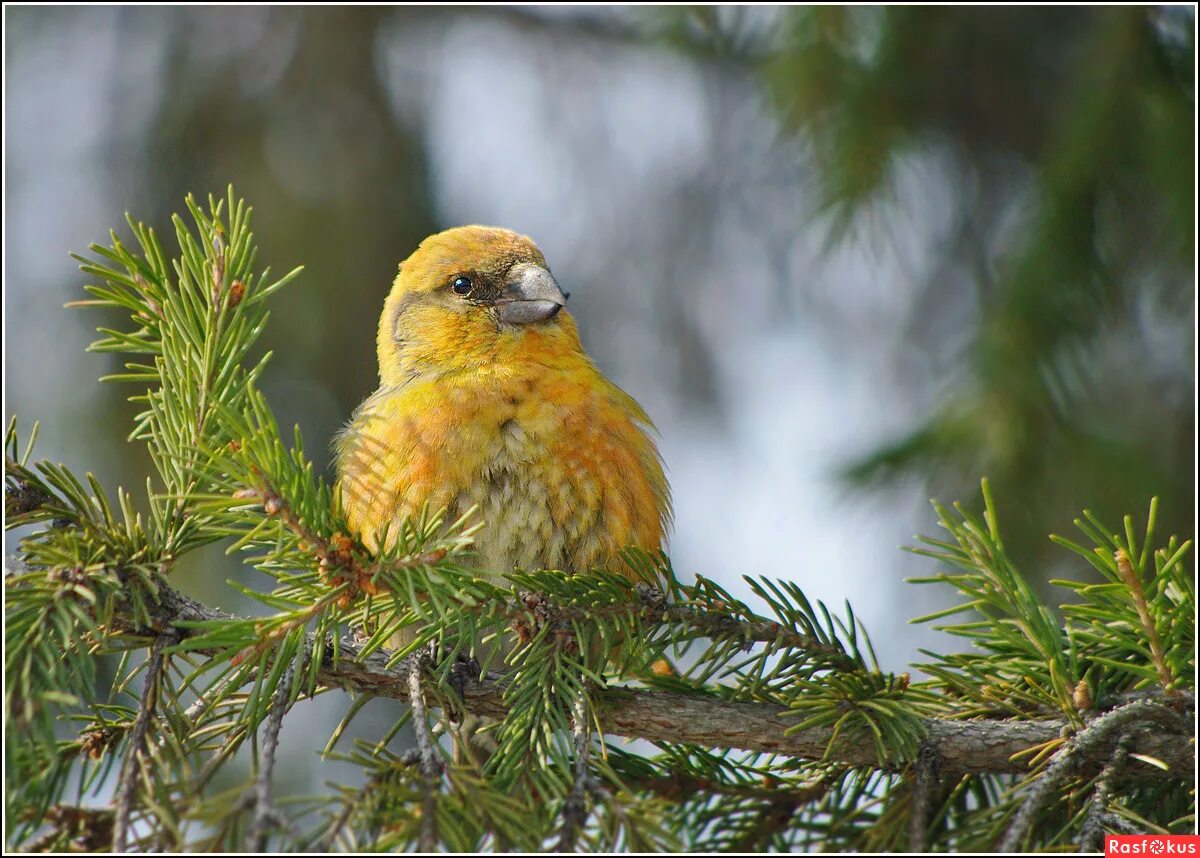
x,y
531,295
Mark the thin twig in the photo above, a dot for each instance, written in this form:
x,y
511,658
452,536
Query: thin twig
x,y
338,824
335,554
1068,758
775,815
716,623
773,818
1116,822
265,814
430,765
23,496
1092,837
575,808
88,829
131,766
926,775
201,704
1157,655
679,784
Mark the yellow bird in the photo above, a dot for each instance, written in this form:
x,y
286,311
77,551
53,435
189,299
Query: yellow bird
x,y
487,399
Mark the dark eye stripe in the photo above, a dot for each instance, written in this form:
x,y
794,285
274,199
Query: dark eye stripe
x,y
461,286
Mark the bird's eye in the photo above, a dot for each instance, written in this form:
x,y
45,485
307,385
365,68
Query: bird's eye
x,y
461,286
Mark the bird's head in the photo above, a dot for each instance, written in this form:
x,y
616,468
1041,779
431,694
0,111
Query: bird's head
x,y
469,297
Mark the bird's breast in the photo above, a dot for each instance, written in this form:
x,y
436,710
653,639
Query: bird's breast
x,y
560,474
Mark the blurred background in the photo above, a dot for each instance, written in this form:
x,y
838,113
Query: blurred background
x,y
847,258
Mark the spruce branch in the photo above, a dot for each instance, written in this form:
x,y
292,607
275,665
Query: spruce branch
x,y
1132,580
830,738
81,829
430,765
1069,759
340,566
343,818
22,496
1091,838
718,621
131,767
1120,824
965,746
265,814
575,808
678,784
926,775
773,818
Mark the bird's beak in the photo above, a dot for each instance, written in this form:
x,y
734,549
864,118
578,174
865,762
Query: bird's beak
x,y
531,295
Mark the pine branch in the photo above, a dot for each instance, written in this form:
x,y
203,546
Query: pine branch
x,y
665,716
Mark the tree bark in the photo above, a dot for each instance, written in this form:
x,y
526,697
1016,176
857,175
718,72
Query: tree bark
x,y
963,746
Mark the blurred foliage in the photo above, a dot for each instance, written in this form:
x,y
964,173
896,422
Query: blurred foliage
x,y
316,136
1067,389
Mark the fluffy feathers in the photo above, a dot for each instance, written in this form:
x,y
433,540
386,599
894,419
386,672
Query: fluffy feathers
x,y
515,419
